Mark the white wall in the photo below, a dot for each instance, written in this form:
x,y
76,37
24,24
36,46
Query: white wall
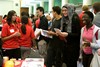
x,y
7,5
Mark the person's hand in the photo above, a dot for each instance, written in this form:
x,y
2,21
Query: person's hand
x,y
49,32
80,59
86,43
98,51
36,36
17,34
52,33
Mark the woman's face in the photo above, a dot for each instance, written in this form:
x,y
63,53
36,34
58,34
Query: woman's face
x,y
86,19
65,11
14,17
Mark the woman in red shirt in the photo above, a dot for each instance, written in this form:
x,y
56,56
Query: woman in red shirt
x,y
27,34
10,34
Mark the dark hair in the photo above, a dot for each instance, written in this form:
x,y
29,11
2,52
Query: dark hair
x,y
4,16
24,13
41,9
32,15
65,7
57,9
24,21
96,6
9,16
90,14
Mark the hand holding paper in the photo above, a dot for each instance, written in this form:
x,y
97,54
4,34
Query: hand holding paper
x,y
37,33
57,30
45,33
62,34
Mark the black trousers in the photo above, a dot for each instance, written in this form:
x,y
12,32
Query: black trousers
x,y
87,58
54,57
12,53
70,56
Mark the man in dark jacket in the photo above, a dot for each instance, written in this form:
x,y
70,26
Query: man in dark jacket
x,y
43,21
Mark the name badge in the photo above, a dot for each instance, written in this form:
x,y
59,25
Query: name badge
x,y
11,30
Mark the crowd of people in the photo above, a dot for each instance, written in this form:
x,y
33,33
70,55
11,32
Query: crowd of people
x,y
77,38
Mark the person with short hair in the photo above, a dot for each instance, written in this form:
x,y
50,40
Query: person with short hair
x,y
84,8
96,8
42,23
54,50
89,36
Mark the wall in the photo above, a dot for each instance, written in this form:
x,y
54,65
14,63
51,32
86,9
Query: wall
x,y
96,1
76,2
46,6
57,3
7,5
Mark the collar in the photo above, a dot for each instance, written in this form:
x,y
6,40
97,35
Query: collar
x,y
91,28
42,16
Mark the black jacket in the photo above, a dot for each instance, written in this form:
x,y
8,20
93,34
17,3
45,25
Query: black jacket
x,y
43,25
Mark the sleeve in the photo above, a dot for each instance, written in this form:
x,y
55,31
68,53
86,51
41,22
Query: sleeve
x,y
96,44
32,34
81,43
4,31
29,22
75,27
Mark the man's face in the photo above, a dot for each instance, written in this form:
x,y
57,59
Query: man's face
x,y
53,13
39,13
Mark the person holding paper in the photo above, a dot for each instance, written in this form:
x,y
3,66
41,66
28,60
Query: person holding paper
x,y
43,20
70,30
43,23
54,50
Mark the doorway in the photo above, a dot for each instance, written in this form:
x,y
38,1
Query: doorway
x,y
24,9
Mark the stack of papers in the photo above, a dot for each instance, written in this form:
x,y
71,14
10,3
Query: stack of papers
x,y
33,62
57,30
43,33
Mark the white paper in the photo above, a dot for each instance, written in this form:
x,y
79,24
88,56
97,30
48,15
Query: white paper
x,y
45,33
33,62
57,30
37,31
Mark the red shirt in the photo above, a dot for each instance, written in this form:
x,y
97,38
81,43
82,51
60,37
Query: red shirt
x,y
30,22
18,20
4,21
81,22
37,23
26,39
8,30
